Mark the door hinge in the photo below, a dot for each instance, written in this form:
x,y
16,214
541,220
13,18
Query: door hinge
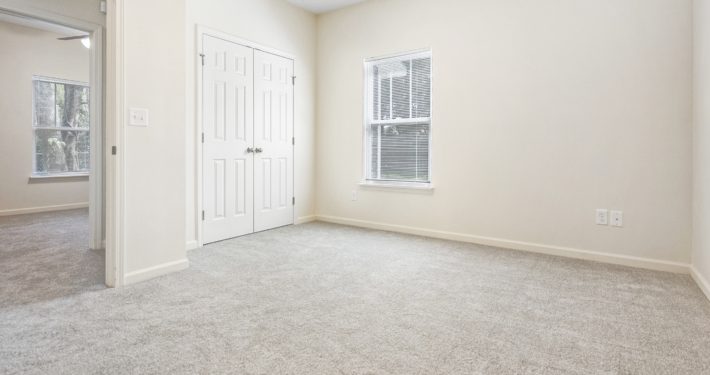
x,y
293,141
203,137
293,80
203,215
293,201
202,56
113,150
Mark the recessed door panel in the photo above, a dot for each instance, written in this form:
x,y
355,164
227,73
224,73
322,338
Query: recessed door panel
x,y
240,185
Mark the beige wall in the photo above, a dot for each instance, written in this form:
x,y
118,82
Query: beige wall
x,y
28,52
154,202
275,24
701,137
543,111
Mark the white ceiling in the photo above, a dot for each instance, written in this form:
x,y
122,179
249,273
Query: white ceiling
x,y
323,6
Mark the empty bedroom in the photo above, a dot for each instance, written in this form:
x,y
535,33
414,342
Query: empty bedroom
x,y
364,187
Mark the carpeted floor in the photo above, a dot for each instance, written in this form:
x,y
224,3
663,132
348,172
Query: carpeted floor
x,y
324,299
46,256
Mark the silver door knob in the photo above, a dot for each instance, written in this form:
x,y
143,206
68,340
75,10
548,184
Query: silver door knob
x,y
249,150
258,150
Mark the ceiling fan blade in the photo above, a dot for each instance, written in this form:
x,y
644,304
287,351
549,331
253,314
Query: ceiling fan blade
x,y
73,37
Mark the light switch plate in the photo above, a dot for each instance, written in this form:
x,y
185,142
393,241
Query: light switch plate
x,y
617,218
602,216
138,117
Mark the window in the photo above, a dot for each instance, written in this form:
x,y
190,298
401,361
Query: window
x,y
60,124
398,119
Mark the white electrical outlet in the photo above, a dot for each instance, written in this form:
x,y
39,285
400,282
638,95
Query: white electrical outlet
x,y
602,217
353,197
138,117
617,218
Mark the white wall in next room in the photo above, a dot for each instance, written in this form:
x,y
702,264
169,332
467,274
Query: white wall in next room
x,y
31,52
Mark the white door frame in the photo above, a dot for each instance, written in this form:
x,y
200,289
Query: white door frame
x,y
96,175
202,31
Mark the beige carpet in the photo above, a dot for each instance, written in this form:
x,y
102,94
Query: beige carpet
x,y
328,299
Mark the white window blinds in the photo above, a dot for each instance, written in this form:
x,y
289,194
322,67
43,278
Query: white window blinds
x,y
398,120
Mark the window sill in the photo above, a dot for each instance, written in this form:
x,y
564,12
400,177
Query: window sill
x,y
423,187
59,177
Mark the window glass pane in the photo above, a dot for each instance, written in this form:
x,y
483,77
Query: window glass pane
x,y
60,100
399,152
400,91
421,88
385,86
83,150
74,106
61,151
44,105
83,118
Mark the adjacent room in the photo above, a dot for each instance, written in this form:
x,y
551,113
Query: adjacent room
x,y
355,186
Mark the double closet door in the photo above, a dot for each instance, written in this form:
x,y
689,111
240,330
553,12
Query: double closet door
x,y
247,153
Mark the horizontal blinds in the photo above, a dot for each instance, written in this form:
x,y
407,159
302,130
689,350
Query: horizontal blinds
x,y
399,108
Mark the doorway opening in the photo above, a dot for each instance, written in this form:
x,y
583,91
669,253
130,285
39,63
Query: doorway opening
x,y
51,194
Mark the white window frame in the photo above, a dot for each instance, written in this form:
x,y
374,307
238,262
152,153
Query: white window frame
x,y
39,175
367,121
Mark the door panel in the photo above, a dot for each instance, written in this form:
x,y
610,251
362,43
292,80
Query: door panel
x,y
228,182
273,134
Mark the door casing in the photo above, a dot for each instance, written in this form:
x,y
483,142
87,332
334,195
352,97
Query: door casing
x,y
98,216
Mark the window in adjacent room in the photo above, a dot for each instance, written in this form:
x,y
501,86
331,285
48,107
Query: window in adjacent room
x,y
60,111
398,119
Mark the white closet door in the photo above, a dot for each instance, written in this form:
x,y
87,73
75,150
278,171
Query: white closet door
x,y
273,134
228,174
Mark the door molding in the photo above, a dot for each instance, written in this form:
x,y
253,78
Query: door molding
x,y
97,125
202,31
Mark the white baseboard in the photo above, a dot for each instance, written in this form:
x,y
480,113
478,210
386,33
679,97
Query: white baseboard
x,y
155,271
33,210
701,281
305,219
624,260
191,245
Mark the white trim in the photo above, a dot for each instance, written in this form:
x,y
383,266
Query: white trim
x,y
703,284
200,32
406,185
417,53
31,14
155,271
115,181
58,177
26,21
32,210
305,219
367,116
61,81
204,30
98,129
191,245
624,260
